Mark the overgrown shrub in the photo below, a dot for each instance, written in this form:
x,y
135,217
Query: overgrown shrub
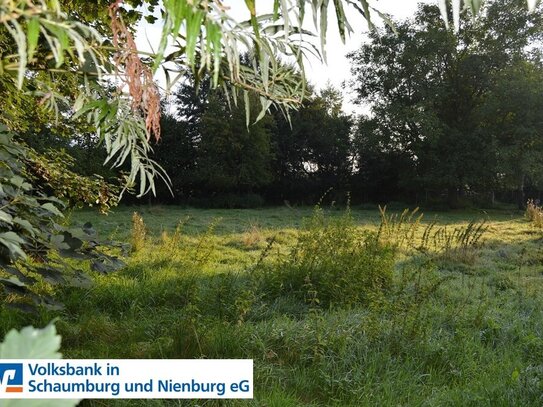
x,y
333,263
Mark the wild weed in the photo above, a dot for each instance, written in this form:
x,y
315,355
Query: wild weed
x,y
534,214
342,263
456,244
399,230
171,244
252,236
139,232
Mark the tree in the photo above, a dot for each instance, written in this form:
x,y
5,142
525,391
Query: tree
x,y
426,85
313,150
232,157
511,115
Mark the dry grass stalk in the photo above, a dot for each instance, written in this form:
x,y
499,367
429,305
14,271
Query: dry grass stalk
x,y
534,213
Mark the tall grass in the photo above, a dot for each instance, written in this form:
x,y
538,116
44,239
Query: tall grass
x,y
405,231
139,232
334,314
454,243
399,230
332,263
534,214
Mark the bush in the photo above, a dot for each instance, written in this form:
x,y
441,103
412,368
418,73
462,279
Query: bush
x,y
333,263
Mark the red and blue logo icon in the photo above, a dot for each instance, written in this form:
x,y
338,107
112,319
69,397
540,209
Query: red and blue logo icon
x,y
11,377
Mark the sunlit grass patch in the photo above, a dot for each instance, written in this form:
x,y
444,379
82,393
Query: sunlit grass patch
x,y
299,298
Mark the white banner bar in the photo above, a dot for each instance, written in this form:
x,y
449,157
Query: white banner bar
x,y
126,379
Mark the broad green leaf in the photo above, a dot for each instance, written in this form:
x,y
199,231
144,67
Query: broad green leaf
x,y
32,343
13,242
6,217
26,225
17,180
52,208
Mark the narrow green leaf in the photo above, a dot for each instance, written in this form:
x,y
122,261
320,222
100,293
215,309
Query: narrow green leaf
x,y
251,6
275,9
33,33
456,4
286,21
19,37
443,11
301,12
367,15
388,21
474,6
247,108
323,26
340,16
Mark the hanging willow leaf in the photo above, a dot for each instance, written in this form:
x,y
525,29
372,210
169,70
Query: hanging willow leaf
x,y
443,11
456,4
340,14
33,32
532,4
473,5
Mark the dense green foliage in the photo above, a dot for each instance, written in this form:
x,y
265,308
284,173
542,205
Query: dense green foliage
x,y
453,112
334,264
33,243
213,159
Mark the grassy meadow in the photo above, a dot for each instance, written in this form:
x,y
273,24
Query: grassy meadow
x,y
336,308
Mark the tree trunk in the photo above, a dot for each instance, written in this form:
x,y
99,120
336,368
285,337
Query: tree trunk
x,y
452,197
521,197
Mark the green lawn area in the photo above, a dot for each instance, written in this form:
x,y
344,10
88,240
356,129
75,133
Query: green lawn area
x,y
434,324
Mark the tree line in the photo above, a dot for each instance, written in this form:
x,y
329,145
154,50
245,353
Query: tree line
x,y
455,119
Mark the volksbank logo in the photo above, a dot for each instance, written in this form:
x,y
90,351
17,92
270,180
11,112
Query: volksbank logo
x,y
11,377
